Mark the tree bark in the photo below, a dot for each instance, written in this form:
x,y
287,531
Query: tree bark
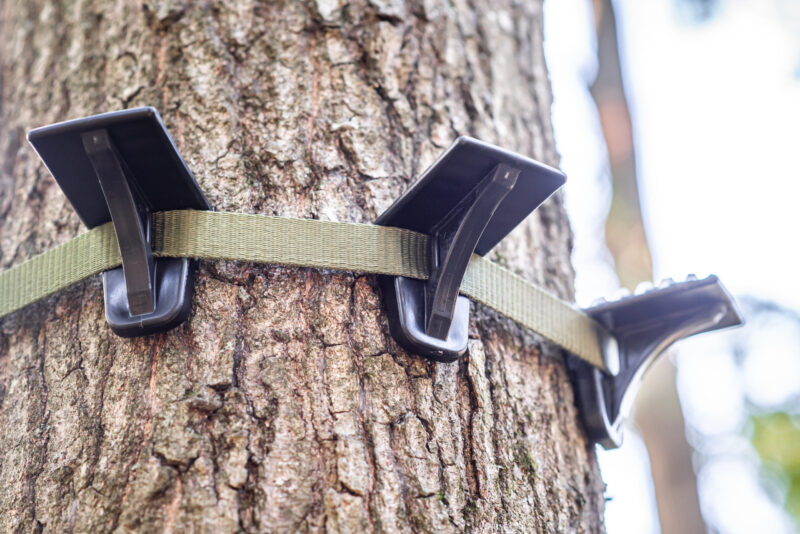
x,y
283,404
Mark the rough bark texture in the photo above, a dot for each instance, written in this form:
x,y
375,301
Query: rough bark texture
x,y
283,405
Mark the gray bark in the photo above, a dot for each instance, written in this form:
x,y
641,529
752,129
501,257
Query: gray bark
x,y
283,404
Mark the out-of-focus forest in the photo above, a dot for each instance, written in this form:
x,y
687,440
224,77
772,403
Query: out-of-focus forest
x,y
720,416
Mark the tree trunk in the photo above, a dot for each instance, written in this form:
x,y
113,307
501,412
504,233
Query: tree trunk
x,y
283,404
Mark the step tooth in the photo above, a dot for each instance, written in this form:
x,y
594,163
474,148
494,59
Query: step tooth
x,y
621,293
666,282
691,277
598,301
643,287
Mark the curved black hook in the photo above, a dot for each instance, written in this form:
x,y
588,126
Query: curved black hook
x,y
644,326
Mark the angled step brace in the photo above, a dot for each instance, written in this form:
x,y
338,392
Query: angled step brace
x,y
120,167
643,326
467,201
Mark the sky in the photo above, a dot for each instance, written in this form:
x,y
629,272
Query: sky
x,y
716,116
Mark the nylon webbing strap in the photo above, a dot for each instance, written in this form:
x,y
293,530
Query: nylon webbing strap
x,y
90,253
297,242
303,243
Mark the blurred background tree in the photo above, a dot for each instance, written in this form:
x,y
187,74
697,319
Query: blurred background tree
x,y
675,121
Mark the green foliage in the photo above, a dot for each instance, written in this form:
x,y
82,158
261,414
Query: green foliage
x,y
776,438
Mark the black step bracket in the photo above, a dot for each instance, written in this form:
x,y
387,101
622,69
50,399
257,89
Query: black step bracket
x,y
644,326
467,201
121,167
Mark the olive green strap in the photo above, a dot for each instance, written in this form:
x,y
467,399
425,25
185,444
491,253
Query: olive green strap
x,y
304,243
90,253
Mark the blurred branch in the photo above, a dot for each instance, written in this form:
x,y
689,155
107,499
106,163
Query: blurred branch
x,y
660,422
625,234
658,414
